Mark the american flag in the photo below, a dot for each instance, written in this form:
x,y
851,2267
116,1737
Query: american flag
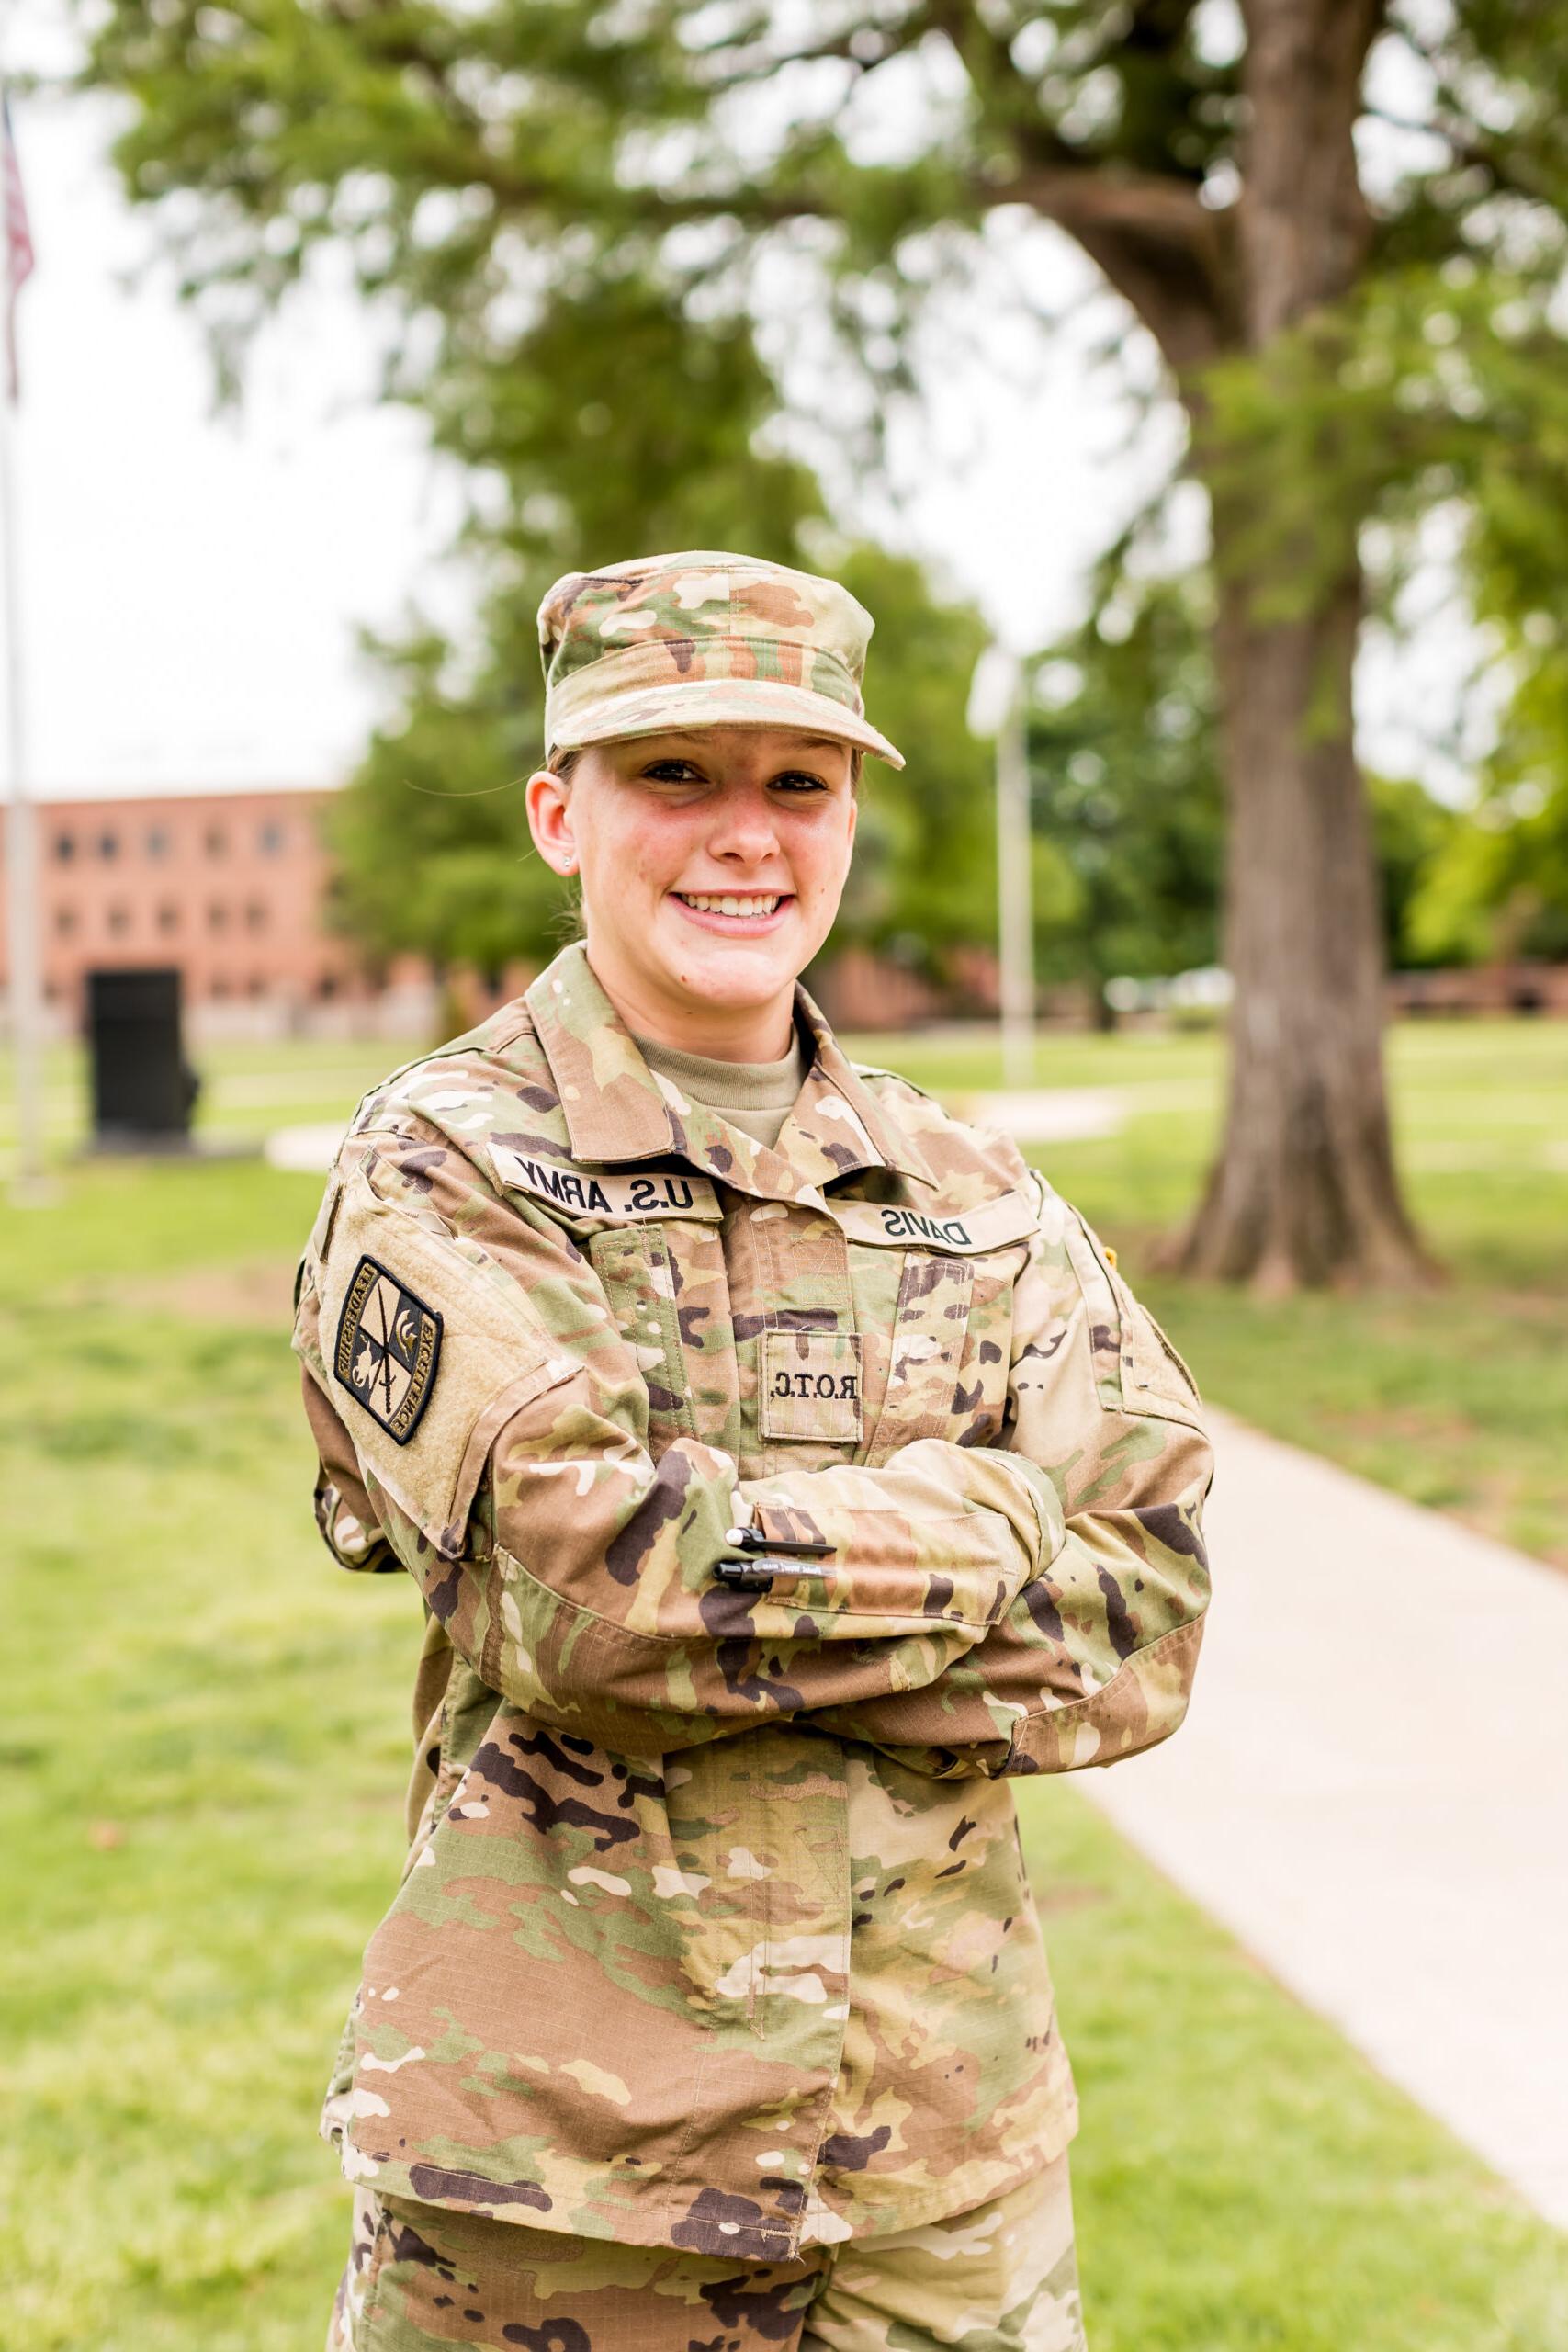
x,y
19,254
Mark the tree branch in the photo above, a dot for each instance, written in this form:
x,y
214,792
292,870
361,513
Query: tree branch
x,y
1162,250
847,49
1165,253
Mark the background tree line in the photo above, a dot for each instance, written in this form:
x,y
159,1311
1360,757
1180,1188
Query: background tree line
x,y
1340,223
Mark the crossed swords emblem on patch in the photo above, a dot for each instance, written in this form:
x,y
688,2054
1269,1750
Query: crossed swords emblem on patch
x,y
389,1344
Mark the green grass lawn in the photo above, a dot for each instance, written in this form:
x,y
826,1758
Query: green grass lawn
x,y
202,1766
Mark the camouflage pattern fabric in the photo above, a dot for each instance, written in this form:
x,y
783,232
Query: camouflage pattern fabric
x,y
715,1931
1002,2279
704,638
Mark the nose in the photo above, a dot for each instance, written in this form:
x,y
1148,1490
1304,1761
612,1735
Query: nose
x,y
744,831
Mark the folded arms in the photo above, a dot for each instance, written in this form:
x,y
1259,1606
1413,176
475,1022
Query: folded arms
x,y
1032,1605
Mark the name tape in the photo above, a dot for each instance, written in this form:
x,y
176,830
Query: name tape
x,y
582,1192
989,1227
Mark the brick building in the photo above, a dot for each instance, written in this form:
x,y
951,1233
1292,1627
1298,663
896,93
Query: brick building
x,y
230,887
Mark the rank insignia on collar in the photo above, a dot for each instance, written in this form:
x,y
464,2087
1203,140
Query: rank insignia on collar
x,y
389,1344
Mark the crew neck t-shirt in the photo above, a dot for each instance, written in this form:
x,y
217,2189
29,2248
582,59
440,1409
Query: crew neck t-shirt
x,y
756,1097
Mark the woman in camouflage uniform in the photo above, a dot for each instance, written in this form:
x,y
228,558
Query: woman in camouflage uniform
x,y
783,1467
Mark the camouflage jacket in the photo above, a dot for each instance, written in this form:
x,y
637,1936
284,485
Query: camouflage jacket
x,y
715,1930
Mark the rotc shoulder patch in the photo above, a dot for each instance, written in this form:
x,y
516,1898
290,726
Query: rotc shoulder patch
x,y
389,1344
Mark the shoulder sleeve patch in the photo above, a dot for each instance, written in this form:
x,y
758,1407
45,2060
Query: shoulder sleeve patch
x,y
387,1349
427,1347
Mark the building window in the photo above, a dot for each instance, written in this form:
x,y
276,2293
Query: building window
x,y
217,841
168,918
270,840
65,921
255,916
108,845
327,985
255,986
219,987
157,841
217,918
120,921
66,847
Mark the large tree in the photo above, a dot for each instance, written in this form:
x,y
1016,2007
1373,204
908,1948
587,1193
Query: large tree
x,y
1248,177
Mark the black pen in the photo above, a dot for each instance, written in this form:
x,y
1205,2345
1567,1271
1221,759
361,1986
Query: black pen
x,y
761,1573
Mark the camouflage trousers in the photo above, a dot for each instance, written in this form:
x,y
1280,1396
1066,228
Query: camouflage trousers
x,y
999,2279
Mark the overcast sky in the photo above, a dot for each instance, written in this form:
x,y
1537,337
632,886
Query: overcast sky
x,y
193,581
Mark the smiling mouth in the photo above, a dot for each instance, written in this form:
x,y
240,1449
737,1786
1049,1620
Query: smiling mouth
x,y
739,906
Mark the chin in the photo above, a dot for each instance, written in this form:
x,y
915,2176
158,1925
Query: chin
x,y
732,971
735,974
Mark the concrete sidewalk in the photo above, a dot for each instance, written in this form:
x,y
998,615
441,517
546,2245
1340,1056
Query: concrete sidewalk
x,y
1371,1791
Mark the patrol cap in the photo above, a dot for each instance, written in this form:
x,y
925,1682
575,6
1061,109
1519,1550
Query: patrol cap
x,y
703,638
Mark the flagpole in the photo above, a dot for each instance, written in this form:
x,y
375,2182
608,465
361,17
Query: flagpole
x,y
26,996
1015,920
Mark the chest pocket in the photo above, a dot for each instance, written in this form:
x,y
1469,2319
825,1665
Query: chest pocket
x,y
947,1344
926,1349
635,1265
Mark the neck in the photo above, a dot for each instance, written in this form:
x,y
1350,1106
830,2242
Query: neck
x,y
721,1032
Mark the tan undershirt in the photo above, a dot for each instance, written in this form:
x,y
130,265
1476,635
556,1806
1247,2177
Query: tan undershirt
x,y
756,1097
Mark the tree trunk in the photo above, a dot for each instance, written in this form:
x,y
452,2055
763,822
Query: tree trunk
x,y
1303,1190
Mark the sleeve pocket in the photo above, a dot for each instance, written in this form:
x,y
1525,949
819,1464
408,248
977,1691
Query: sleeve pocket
x,y
428,1347
1136,1369
1154,1379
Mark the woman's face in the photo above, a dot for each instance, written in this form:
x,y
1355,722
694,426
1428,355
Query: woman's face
x,y
711,863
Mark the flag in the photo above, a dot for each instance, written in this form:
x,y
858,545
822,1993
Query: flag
x,y
19,254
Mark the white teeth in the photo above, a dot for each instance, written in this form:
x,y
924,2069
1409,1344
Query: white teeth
x,y
708,905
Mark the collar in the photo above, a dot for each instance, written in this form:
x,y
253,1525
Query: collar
x,y
616,1109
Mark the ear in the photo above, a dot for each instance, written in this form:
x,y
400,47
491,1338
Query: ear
x,y
547,799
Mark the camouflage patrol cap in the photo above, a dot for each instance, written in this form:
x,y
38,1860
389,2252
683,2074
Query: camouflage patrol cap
x,y
703,638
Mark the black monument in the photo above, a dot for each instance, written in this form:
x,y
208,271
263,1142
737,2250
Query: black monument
x,y
143,1088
